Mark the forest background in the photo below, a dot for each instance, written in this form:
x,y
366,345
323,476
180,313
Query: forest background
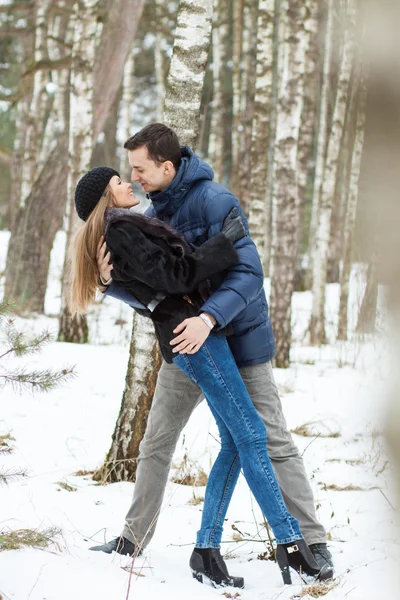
x,y
295,104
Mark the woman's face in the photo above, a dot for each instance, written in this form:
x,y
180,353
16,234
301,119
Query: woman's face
x,y
122,192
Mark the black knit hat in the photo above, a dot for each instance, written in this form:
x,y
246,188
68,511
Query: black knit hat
x,y
91,188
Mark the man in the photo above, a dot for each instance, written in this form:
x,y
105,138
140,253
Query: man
x,y
183,195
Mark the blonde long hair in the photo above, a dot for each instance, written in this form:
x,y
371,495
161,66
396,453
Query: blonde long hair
x,y
84,269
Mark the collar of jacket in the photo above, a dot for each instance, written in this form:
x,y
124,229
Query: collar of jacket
x,y
167,202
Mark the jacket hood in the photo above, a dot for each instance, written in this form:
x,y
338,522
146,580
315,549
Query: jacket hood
x,y
191,170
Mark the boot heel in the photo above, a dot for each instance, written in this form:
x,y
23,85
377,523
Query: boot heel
x,y
283,563
197,576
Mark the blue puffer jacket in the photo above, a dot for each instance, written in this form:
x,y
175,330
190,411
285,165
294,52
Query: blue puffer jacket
x,y
196,206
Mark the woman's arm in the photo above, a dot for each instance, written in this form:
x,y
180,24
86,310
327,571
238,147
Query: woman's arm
x,y
137,256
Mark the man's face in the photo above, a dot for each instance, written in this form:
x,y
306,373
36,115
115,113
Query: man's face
x,y
152,177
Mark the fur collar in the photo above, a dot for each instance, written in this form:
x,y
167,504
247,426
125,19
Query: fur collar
x,y
149,225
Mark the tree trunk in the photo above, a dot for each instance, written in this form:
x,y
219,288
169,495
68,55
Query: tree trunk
x,y
285,201
278,56
39,218
39,103
248,90
125,122
187,70
320,255
307,135
189,57
141,377
351,211
259,221
31,241
116,41
238,6
216,146
321,139
87,32
159,64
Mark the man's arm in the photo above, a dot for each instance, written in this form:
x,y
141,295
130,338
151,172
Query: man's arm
x,y
243,281
240,286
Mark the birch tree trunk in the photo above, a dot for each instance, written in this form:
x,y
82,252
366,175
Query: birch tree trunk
x,y
87,33
187,70
216,145
351,211
321,139
259,221
159,65
307,133
367,315
278,56
141,377
189,57
320,254
285,201
98,59
248,90
238,6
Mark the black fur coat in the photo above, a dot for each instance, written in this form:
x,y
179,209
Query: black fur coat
x,y
150,257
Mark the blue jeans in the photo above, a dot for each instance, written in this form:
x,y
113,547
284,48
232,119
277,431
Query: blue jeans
x,y
243,445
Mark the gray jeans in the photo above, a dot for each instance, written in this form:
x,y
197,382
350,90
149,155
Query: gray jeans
x,y
175,398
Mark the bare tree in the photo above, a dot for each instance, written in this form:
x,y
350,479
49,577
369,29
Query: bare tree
x,y
305,157
285,201
141,377
220,39
187,70
87,31
238,7
98,56
248,90
351,211
186,74
125,115
321,137
39,214
259,214
327,194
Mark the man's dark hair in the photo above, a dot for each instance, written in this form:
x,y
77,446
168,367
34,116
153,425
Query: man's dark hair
x,y
161,142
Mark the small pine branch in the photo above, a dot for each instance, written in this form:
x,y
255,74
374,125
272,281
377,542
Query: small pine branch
x,y
20,344
9,476
43,381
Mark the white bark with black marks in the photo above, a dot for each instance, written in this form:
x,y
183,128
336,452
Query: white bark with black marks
x,y
285,200
185,80
87,31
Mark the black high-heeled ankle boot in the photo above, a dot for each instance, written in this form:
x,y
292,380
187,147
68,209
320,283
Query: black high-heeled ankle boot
x,y
208,562
297,555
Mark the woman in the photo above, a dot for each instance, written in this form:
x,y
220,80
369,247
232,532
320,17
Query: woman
x,y
159,268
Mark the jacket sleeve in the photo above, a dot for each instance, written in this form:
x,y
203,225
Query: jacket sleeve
x,y
143,258
243,281
116,290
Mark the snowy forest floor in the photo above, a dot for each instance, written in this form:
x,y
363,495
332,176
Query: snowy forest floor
x,y
334,401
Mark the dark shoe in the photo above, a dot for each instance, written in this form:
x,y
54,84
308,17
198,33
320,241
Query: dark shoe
x,y
322,556
208,562
297,555
120,545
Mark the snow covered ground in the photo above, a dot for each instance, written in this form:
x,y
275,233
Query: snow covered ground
x,y
337,393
